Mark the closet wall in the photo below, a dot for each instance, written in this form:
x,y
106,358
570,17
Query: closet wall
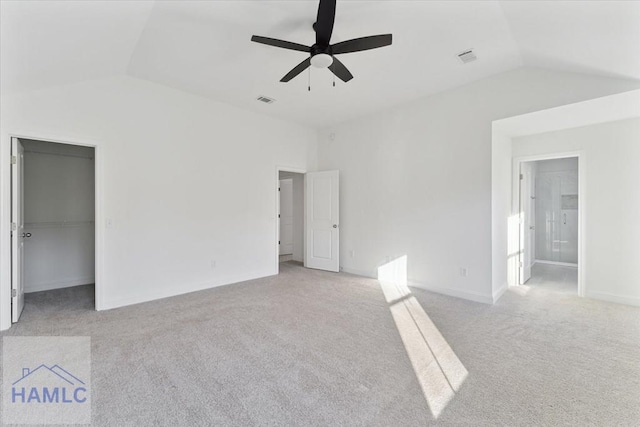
x,y
59,215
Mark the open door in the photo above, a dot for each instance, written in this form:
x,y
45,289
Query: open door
x,y
17,229
527,190
322,225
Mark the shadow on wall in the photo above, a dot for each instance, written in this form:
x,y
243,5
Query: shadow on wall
x,y
437,368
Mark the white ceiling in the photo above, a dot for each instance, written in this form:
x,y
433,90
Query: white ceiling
x,y
204,47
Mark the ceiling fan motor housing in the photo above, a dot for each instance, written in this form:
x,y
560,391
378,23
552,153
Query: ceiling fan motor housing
x,y
317,49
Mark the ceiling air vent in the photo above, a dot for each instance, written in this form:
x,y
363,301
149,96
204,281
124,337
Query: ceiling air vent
x,y
266,100
467,56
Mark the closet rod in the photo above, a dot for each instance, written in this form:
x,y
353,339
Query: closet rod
x,y
58,154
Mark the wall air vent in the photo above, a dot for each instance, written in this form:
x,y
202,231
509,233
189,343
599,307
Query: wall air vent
x,y
467,56
266,100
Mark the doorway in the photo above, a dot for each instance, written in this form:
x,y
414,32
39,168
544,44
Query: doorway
x,y
312,232
53,226
549,206
291,217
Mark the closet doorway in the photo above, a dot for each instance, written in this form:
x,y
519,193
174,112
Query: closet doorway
x,y
53,226
290,216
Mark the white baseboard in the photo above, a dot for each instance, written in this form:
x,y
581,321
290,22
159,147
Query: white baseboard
x,y
362,273
497,294
620,299
68,283
458,293
563,264
172,292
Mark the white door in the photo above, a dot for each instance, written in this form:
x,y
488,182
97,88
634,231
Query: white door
x,y
322,225
527,186
286,216
17,229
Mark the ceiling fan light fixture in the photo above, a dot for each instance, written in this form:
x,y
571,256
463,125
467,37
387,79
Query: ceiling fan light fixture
x,y
321,60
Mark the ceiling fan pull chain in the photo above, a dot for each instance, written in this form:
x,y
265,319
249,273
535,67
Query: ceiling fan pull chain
x,y
334,80
309,79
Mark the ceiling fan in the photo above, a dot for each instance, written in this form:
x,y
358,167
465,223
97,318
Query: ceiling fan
x,y
322,53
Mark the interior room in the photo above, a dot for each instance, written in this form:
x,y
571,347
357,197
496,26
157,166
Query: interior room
x,y
291,216
58,231
552,206
283,213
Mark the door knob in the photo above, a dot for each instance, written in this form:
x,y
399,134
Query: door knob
x,y
26,235
532,227
335,225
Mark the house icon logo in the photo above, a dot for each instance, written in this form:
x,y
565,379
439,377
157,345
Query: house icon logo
x,y
48,384
45,380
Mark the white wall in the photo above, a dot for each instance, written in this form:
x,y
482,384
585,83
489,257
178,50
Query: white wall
x,y
168,181
416,180
557,165
612,205
59,215
298,213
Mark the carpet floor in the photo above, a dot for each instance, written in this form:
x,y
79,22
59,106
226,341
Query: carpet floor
x,y
555,278
308,347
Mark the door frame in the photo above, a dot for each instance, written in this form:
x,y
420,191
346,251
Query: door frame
x,y
277,212
290,181
5,261
582,199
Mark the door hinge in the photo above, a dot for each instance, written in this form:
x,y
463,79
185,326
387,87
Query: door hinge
x,y
278,215
278,241
521,176
14,293
278,188
14,160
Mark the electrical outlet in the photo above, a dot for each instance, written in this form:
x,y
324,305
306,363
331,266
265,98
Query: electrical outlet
x,y
463,271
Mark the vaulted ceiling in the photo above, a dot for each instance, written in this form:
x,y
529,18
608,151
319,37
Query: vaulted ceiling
x,y
203,47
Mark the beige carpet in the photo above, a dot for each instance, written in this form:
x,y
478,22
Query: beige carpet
x,y
315,348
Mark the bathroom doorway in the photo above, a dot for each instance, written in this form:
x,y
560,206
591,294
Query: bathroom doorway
x,y
549,200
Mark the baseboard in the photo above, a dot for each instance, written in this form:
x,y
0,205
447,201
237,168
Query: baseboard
x,y
620,299
49,286
563,264
458,293
173,292
497,294
358,272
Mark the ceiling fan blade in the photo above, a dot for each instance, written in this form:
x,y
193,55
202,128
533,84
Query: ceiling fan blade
x,y
324,22
362,43
340,70
297,70
280,43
